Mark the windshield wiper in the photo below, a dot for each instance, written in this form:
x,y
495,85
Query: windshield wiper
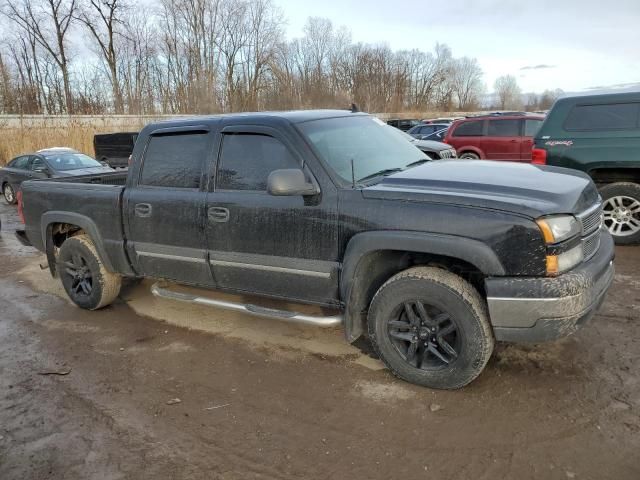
x,y
381,173
417,162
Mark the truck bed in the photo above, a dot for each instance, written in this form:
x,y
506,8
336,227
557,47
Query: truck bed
x,y
92,202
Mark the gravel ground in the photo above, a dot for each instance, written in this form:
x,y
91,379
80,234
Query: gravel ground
x,y
151,389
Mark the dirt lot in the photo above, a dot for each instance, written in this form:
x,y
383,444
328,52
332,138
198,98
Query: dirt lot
x,y
92,395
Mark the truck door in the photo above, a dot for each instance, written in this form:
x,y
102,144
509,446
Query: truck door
x,y
165,206
284,246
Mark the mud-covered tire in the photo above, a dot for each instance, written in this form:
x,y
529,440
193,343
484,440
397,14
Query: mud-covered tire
x,y
625,196
9,194
439,291
469,156
85,279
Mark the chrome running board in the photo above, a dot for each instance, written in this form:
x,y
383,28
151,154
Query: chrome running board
x,y
256,310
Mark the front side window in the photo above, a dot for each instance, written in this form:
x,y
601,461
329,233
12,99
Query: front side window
x,y
469,129
174,160
613,116
38,164
71,161
366,142
247,160
20,162
504,128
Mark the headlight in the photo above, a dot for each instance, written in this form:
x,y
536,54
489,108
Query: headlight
x,y
557,228
557,264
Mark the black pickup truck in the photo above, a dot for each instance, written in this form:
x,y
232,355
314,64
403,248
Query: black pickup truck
x,y
434,260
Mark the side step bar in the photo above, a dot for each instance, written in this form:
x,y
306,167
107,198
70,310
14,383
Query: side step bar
x,y
318,321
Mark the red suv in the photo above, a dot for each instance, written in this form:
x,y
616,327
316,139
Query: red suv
x,y
495,137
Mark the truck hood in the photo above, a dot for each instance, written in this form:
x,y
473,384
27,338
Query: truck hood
x,y
525,189
431,145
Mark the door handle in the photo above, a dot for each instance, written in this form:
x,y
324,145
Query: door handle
x,y
143,210
218,214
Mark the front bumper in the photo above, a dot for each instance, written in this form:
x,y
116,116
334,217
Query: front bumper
x,y
544,309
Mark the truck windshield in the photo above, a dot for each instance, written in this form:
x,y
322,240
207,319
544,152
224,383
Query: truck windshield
x,y
375,148
71,161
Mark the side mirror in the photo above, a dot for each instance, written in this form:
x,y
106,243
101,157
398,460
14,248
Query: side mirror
x,y
290,182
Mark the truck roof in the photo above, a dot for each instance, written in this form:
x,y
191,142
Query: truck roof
x,y
293,116
602,98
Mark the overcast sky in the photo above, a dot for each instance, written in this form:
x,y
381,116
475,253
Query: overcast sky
x,y
569,44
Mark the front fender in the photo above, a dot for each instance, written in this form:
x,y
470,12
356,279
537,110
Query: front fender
x,y
353,284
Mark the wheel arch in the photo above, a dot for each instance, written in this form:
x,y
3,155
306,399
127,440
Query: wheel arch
x,y
373,257
72,223
470,149
607,175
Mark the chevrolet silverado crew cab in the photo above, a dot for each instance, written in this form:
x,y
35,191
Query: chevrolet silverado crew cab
x,y
600,135
433,260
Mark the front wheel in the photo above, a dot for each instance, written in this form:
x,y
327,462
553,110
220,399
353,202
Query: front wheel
x,y
431,327
87,283
470,156
9,194
621,211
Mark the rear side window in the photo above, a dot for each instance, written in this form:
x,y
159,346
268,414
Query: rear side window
x,y
504,128
20,162
612,116
247,160
469,129
174,160
531,127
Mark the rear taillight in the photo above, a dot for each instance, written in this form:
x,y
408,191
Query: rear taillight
x,y
130,160
20,206
539,156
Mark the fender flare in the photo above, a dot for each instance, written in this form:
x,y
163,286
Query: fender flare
x,y
81,221
469,250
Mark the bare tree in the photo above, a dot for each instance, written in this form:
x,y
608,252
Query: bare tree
x,y
102,19
203,56
48,22
466,80
548,98
508,92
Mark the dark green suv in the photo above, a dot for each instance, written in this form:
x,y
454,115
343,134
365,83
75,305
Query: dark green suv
x,y
600,135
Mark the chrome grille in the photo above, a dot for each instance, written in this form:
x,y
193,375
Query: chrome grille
x,y
451,153
591,219
590,245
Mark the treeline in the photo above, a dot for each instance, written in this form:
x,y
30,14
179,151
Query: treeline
x,y
206,56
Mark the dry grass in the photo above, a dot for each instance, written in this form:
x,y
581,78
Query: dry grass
x,y
27,134
14,142
60,133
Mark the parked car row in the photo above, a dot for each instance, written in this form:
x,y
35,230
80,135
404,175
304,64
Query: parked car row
x,y
598,135
54,162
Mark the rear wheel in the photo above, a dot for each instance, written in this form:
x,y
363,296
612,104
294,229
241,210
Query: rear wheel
x,y
85,279
9,194
621,211
431,327
470,156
